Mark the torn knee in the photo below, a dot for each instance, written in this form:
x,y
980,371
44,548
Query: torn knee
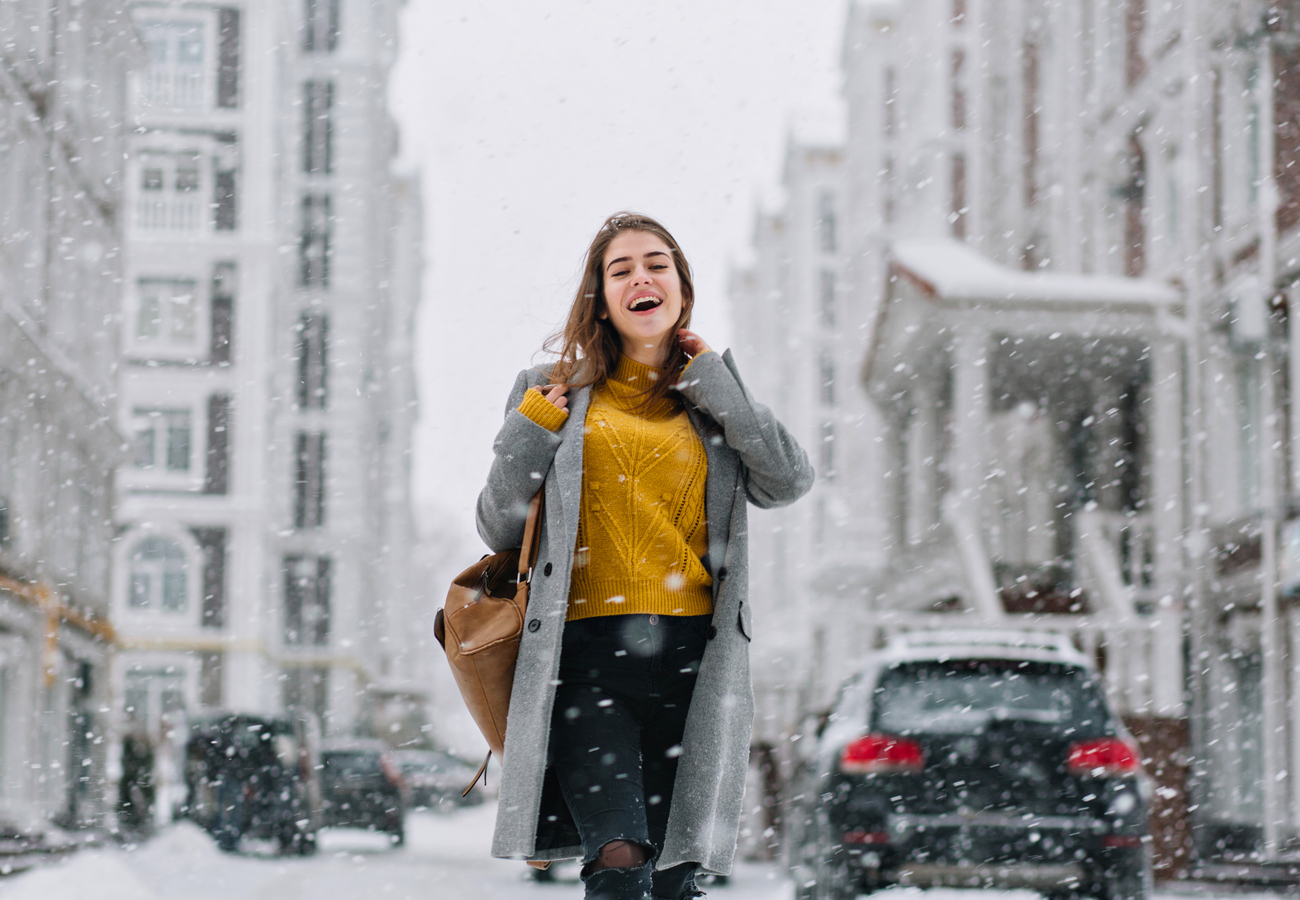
x,y
620,855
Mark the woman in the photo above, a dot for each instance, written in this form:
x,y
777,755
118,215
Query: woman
x,y
629,722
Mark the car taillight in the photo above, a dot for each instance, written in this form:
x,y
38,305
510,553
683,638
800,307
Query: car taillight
x,y
881,753
391,772
1102,756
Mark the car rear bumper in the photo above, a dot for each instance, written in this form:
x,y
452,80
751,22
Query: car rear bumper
x,y
1037,876
1006,850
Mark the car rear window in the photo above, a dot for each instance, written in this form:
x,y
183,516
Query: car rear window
x,y
966,695
352,764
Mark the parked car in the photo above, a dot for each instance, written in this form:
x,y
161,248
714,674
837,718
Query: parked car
x,y
973,759
254,776
362,787
435,778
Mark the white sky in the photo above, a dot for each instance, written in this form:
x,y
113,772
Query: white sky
x,y
532,121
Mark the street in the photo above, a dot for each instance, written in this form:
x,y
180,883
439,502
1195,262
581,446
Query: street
x,y
445,857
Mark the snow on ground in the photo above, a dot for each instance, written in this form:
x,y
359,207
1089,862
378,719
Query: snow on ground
x,y
446,856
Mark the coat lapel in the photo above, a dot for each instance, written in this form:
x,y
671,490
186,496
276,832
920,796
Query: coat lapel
x,y
719,487
568,462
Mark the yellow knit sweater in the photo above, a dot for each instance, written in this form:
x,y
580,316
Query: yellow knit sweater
x,y
641,526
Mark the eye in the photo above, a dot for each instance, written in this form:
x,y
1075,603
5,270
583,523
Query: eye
x,y
618,274
659,266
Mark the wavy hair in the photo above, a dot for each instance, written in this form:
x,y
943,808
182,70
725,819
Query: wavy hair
x,y
588,346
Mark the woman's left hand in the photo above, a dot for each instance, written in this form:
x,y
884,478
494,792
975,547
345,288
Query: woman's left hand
x,y
692,343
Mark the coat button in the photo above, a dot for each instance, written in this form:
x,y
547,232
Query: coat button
x,y
713,632
722,574
546,570
534,624
654,620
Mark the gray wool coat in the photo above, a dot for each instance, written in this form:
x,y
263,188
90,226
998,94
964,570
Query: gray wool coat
x,y
751,458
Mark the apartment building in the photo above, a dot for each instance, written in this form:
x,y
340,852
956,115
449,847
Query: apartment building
x,y
271,281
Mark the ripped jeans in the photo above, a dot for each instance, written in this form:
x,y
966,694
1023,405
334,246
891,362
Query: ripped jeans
x,y
616,731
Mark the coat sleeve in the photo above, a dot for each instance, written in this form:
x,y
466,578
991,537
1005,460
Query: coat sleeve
x,y
523,453
775,468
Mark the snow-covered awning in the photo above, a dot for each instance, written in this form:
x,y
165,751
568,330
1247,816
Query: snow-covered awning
x,y
952,270
943,289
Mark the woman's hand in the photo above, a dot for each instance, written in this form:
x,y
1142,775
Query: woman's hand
x,y
555,394
692,343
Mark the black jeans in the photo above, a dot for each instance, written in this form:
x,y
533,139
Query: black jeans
x,y
616,733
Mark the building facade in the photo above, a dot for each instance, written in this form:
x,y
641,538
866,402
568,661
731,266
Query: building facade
x,y
273,274
63,73
1073,231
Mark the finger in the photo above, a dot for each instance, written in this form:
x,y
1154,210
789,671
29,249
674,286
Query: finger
x,y
561,402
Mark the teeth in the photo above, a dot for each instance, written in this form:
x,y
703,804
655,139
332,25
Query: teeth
x,y
645,303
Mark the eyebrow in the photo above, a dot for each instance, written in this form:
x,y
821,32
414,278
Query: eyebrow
x,y
622,259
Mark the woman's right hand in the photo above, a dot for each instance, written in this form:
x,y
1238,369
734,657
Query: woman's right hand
x,y
555,394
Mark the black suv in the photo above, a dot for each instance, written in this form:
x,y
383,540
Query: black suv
x,y
979,759
254,776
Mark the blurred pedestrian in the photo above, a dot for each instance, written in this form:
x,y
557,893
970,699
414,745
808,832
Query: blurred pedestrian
x,y
136,789
629,723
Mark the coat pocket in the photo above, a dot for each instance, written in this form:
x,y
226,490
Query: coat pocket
x,y
743,621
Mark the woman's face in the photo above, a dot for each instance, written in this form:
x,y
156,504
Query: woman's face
x,y
643,294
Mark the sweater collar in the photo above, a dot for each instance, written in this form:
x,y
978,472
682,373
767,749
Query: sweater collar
x,y
634,374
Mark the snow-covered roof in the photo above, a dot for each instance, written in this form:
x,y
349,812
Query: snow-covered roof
x,y
954,271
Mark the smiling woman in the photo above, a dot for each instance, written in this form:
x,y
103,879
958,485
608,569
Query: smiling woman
x,y
648,448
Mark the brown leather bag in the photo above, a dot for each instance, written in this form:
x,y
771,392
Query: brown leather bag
x,y
480,627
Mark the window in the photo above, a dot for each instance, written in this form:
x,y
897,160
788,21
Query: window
x,y
1134,209
166,312
826,222
225,181
222,311
212,541
958,90
306,601
957,217
314,243
306,689
317,127
228,58
826,378
826,298
1135,65
174,80
309,480
171,196
321,26
313,360
158,576
216,476
1030,76
162,439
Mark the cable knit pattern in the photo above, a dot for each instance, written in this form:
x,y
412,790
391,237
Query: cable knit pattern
x,y
641,526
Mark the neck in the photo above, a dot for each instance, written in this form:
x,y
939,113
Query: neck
x,y
654,355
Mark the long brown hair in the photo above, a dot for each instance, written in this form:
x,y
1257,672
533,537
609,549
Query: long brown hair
x,y
589,346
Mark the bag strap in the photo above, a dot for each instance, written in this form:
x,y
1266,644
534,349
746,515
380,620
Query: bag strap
x,y
481,773
532,537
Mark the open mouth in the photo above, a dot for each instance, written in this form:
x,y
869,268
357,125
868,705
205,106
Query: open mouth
x,y
645,304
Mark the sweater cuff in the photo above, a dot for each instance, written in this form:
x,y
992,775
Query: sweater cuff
x,y
543,411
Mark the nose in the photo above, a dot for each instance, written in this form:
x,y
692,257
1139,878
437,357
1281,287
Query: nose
x,y
641,275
